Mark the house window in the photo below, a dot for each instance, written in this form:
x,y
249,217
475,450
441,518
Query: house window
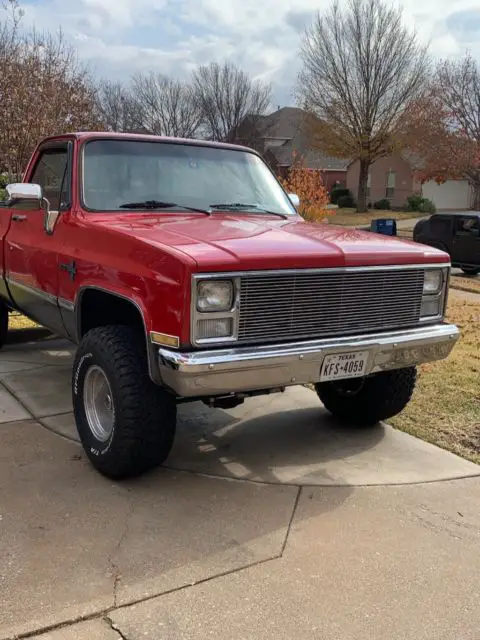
x,y
369,184
390,189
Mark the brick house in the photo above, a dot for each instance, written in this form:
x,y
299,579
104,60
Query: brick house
x,y
392,177
280,135
396,178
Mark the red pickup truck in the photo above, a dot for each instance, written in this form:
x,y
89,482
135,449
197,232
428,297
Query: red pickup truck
x,y
183,272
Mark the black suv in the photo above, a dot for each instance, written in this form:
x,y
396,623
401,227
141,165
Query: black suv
x,y
456,233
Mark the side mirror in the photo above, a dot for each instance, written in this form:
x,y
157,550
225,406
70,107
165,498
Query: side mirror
x,y
294,199
24,192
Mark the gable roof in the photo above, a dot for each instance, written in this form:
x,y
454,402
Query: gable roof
x,y
288,124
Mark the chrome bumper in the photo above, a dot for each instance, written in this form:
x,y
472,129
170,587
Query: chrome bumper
x,y
218,372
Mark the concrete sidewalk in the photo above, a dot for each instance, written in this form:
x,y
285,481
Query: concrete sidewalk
x,y
269,521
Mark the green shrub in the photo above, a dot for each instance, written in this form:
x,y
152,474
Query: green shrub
x,y
420,204
346,202
3,195
382,204
414,202
339,192
428,206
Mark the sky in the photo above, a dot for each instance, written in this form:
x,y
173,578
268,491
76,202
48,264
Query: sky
x,y
119,37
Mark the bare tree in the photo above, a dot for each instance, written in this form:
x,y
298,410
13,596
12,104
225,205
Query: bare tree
x,y
118,108
361,70
227,95
43,90
167,107
459,92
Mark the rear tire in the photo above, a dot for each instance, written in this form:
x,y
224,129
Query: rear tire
x,y
367,401
126,423
3,323
470,271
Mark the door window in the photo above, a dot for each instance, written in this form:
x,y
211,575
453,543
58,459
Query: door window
x,y
467,226
51,174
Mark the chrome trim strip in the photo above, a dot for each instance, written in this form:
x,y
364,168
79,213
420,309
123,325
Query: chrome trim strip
x,y
48,297
68,305
216,372
267,272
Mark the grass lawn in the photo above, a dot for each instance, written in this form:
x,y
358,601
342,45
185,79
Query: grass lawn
x,y
466,283
445,409
349,217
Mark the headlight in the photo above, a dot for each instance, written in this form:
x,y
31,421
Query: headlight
x,y
433,281
214,295
433,299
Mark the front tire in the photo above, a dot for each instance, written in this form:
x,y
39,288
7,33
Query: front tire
x,y
125,422
3,323
367,401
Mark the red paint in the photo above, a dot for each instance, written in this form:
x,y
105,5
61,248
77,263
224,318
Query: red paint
x,y
150,257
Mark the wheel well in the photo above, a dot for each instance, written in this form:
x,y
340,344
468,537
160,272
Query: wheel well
x,y
99,308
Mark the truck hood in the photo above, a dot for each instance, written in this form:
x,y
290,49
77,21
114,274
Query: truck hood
x,y
223,242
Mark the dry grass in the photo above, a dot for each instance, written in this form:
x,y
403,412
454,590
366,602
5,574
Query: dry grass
x,y
466,283
445,409
349,217
18,322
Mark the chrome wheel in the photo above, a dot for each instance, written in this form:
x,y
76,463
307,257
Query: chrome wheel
x,y
98,402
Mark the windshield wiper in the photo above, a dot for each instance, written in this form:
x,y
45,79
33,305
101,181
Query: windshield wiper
x,y
160,204
243,207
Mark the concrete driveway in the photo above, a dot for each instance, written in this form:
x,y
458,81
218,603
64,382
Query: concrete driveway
x,y
269,521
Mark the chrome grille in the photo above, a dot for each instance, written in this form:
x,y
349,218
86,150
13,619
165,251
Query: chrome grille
x,y
279,306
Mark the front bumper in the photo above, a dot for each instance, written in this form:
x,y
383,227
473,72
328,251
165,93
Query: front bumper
x,y
243,369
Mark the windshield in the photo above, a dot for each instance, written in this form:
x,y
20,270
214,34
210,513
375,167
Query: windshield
x,y
116,172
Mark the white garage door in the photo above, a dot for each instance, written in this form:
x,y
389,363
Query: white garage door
x,y
453,194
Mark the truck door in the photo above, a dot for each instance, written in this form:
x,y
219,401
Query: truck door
x,y
466,240
31,260
4,224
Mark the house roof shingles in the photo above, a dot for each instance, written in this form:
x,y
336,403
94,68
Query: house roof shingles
x,y
288,123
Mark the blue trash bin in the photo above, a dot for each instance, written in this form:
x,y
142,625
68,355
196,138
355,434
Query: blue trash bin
x,y
384,226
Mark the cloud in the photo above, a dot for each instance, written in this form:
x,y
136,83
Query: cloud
x,y
118,37
465,26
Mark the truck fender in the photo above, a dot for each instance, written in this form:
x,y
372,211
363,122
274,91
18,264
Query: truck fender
x,y
139,308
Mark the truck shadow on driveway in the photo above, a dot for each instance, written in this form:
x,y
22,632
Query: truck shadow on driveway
x,y
273,443
284,438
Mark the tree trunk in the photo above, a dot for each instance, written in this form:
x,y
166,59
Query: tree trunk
x,y
363,185
476,196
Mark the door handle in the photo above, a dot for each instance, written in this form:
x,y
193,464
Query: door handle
x,y
18,217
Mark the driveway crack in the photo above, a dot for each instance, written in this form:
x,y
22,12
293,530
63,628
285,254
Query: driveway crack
x,y
114,627
290,522
117,576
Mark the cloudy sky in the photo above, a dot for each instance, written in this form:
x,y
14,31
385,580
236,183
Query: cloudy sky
x,y
118,37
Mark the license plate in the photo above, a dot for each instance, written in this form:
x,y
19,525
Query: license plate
x,y
339,366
